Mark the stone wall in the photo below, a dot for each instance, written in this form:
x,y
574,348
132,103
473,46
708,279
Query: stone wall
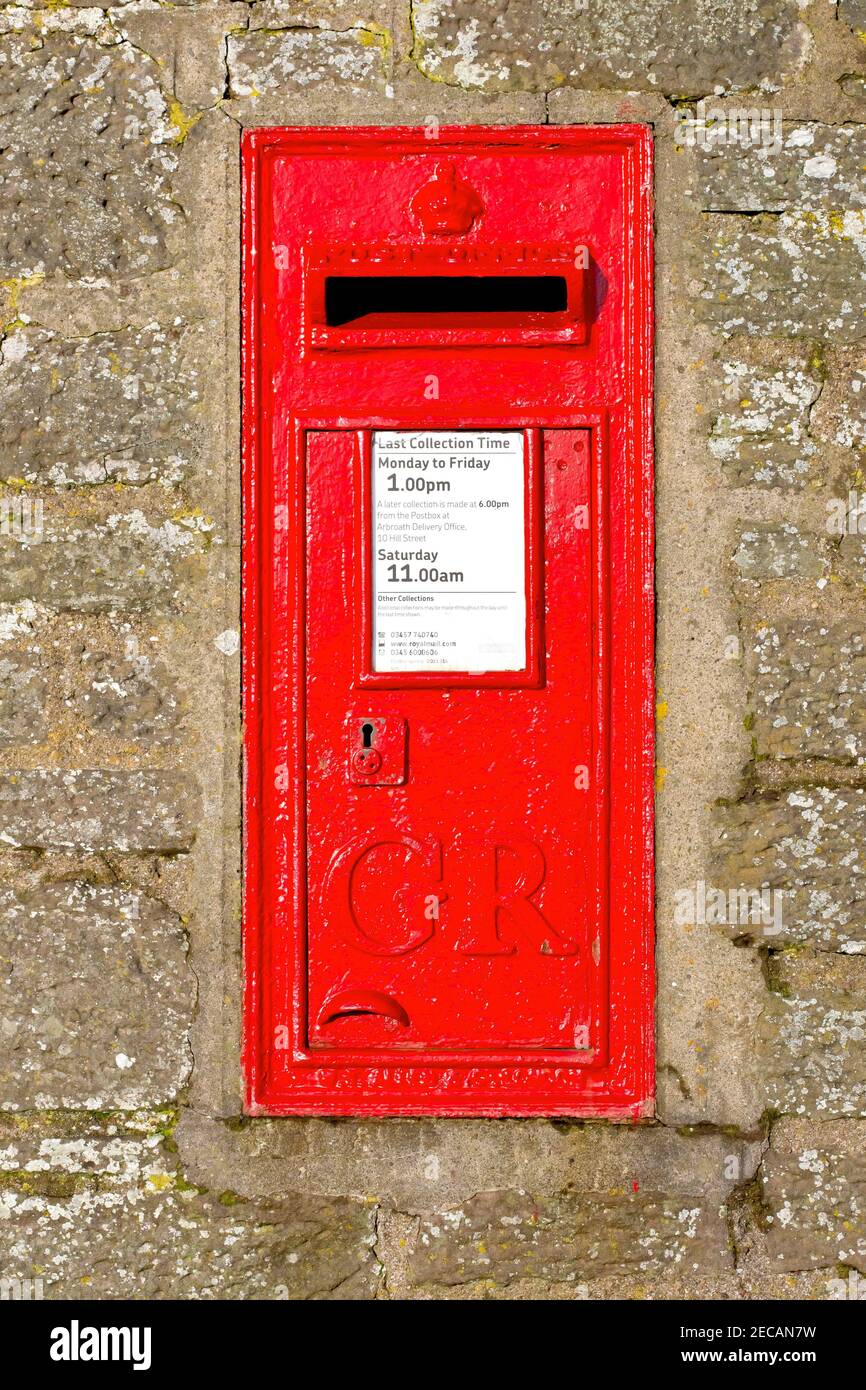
x,y
125,1167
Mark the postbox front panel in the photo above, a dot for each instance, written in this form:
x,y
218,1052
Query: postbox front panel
x,y
447,630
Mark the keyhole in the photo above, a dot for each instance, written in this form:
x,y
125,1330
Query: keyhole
x,y
367,735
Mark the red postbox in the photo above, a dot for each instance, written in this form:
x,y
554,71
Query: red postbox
x,y
448,621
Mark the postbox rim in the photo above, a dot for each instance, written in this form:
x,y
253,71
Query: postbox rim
x,y
628,1088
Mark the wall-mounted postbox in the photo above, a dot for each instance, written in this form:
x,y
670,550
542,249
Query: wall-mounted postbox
x,y
448,621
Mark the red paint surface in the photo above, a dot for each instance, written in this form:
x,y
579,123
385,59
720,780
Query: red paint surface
x,y
467,928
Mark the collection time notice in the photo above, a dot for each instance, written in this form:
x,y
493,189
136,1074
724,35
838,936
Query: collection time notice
x,y
449,558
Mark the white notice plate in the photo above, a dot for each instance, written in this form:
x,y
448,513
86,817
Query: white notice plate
x,y
449,551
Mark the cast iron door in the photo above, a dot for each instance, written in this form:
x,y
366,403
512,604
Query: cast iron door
x,y
447,623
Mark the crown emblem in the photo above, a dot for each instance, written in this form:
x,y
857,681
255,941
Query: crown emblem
x,y
446,205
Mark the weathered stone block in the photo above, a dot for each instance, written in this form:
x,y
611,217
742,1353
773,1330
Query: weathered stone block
x,y
794,275
814,1184
850,561
809,690
123,562
22,696
779,552
96,810
337,16
127,693
500,46
65,677
22,683
123,1146
261,64
95,999
811,1040
425,1166
88,157
162,1245
100,1209
808,846
779,166
505,1236
852,13
853,85
839,416
187,40
110,407
760,429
